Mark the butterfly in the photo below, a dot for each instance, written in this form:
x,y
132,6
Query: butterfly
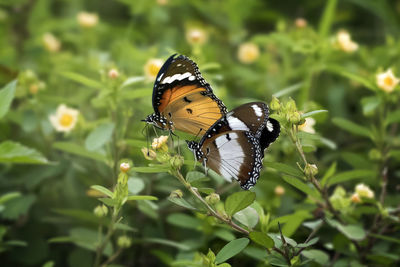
x,y
234,145
182,99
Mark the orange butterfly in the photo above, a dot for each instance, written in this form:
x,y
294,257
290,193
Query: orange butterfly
x,y
182,99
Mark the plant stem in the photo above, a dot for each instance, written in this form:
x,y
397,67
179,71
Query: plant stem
x,y
101,247
112,258
209,208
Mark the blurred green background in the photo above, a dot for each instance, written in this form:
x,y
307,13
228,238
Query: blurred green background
x,y
100,58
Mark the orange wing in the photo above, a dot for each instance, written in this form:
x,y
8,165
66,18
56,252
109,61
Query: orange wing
x,y
190,109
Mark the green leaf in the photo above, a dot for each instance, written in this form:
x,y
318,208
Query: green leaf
x,y
288,90
231,249
352,76
369,104
135,185
109,201
12,152
301,186
167,243
239,201
328,174
309,243
384,237
82,79
99,136
132,80
8,196
78,150
17,206
317,256
79,214
181,202
184,221
141,197
224,235
352,127
248,217
351,231
392,117
327,18
262,239
312,113
6,96
136,143
281,167
103,190
151,169
194,176
350,175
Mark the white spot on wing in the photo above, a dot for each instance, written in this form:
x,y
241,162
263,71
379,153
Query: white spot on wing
x,y
257,110
270,127
159,78
237,124
178,77
231,154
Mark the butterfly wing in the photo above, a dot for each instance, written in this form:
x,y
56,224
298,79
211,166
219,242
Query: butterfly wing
x,y
183,96
269,133
234,155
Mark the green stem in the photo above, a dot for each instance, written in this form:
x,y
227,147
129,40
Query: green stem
x,y
100,249
209,208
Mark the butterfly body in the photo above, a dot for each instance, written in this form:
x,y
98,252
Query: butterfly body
x,y
234,145
182,99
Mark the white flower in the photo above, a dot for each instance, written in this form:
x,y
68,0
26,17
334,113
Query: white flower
x,y
387,81
307,126
345,43
64,120
51,43
248,53
196,36
364,191
158,142
152,68
87,20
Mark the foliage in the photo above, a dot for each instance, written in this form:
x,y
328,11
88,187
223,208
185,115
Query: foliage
x,y
81,185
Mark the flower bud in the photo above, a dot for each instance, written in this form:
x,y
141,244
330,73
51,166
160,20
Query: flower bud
x,y
113,74
124,167
279,190
291,106
176,194
355,198
364,191
311,170
374,154
275,104
100,211
124,241
212,199
176,161
300,23
149,154
33,89
294,117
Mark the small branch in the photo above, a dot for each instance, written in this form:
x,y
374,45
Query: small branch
x,y
100,249
286,252
312,234
112,258
209,208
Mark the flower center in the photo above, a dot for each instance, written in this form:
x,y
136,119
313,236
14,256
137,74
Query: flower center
x,y
388,81
66,120
153,69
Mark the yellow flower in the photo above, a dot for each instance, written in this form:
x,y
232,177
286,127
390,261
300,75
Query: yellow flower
x,y
87,20
113,74
159,142
152,68
307,126
279,190
364,191
196,36
51,43
64,120
300,23
355,198
387,81
248,53
343,40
